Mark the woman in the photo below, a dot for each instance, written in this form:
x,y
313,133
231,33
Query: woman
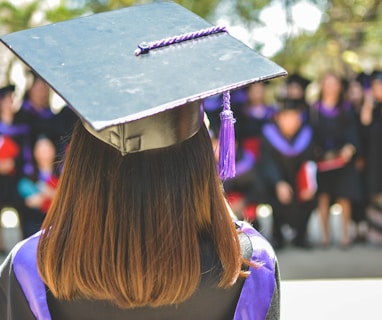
x,y
371,117
13,154
174,212
35,110
337,143
139,227
287,158
38,189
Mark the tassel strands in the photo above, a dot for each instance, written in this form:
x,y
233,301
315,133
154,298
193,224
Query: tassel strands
x,y
227,140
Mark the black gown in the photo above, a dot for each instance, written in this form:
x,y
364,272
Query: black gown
x,y
334,128
281,160
24,296
374,153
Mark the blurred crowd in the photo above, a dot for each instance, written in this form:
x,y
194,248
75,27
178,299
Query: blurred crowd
x,y
294,155
299,155
32,145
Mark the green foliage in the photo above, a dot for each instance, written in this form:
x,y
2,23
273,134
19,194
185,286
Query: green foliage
x,y
249,10
15,18
62,13
346,41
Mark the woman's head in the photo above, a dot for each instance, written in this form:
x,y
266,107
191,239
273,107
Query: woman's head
x,y
256,94
121,223
39,93
331,87
44,152
7,108
289,122
376,85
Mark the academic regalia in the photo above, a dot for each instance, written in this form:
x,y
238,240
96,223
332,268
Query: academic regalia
x,y
359,206
334,128
374,178
23,295
136,97
374,155
281,160
296,79
213,105
40,121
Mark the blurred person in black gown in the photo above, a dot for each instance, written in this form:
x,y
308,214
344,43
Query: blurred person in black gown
x,y
358,90
251,118
337,144
37,190
289,171
371,117
295,89
36,112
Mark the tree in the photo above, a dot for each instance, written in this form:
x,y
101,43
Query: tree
x,y
347,41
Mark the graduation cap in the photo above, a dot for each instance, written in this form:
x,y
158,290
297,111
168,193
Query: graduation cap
x,y
298,79
136,76
376,75
291,104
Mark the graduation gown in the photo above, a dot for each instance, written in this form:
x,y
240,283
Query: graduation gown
x,y
24,296
374,153
282,160
334,128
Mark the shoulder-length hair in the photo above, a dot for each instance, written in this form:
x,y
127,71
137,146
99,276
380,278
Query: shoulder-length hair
x,y
127,228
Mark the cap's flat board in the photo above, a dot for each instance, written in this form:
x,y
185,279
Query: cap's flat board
x,y
90,62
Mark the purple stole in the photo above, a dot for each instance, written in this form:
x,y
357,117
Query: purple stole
x,y
331,112
44,113
256,295
25,269
283,145
253,304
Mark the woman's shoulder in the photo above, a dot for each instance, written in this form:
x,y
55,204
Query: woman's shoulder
x,y
21,283
263,279
261,250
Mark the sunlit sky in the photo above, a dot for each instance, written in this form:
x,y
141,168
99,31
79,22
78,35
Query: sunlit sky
x,y
305,16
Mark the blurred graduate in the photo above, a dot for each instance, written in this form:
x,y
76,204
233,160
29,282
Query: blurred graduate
x,y
289,171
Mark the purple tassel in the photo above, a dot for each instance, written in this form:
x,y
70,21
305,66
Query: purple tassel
x,y
227,140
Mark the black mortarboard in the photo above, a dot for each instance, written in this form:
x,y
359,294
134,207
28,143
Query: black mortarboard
x,y
138,102
6,89
291,104
376,75
300,80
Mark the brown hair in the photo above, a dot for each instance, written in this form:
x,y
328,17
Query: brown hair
x,y
126,229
